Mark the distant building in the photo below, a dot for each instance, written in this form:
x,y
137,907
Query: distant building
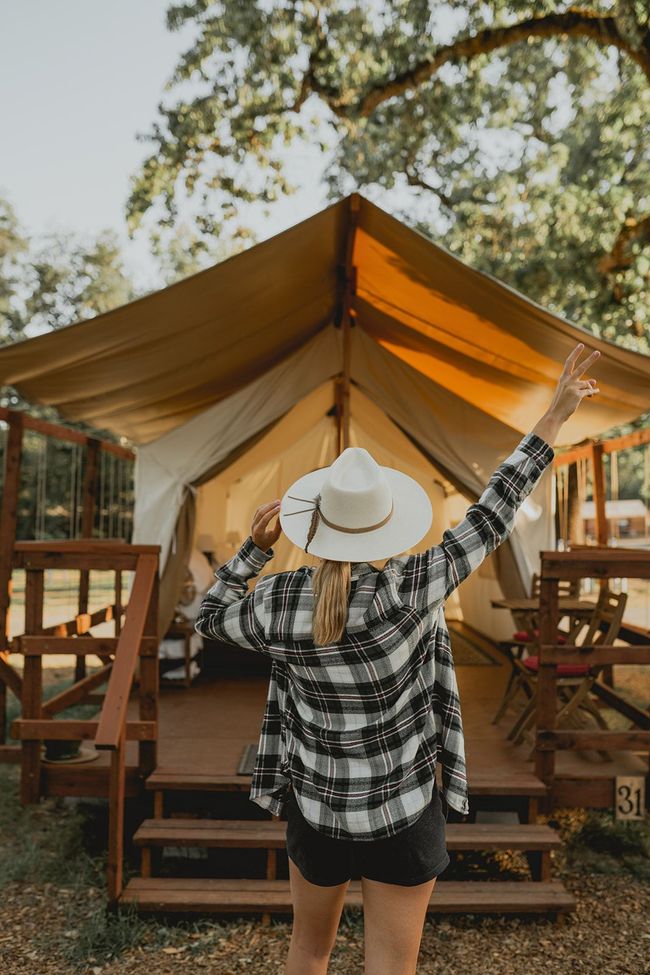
x,y
627,518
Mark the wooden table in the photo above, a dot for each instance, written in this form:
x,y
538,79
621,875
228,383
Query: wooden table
x,y
525,609
568,605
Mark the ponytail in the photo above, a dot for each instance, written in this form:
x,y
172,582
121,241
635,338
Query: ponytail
x,y
331,583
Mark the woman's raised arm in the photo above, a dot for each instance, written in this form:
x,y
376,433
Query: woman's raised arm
x,y
431,576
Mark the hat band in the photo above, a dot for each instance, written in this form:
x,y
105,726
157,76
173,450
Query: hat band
x,y
317,515
355,531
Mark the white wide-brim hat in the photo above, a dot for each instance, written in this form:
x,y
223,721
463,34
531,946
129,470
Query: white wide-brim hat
x,y
355,510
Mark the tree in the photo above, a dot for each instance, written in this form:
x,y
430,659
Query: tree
x,y
180,251
57,279
12,247
46,284
519,130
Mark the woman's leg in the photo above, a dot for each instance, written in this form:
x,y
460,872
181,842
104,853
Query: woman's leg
x,y
393,918
316,916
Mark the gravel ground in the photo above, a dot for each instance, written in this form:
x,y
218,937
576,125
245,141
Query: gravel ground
x,y
42,925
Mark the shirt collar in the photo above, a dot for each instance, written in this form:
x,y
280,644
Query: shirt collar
x,y
360,569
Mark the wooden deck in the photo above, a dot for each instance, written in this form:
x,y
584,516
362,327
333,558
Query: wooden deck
x,y
204,729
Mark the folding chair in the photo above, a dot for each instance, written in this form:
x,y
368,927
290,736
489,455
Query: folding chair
x,y
529,634
567,587
574,681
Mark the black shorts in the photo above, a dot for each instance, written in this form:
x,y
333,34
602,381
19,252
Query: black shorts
x,y
416,854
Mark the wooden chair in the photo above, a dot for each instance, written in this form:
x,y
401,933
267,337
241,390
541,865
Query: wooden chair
x,y
527,634
574,681
567,587
180,628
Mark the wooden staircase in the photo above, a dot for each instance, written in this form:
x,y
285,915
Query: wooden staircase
x,y
272,894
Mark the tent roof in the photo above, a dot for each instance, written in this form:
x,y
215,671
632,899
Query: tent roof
x,y
148,367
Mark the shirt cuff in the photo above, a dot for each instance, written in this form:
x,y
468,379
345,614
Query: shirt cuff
x,y
253,556
538,449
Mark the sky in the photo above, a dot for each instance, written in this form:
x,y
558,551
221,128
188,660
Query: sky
x,y
78,80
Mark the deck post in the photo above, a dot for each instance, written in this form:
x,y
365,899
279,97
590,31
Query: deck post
x,y
8,525
599,493
602,532
118,602
148,685
32,697
116,790
546,683
87,522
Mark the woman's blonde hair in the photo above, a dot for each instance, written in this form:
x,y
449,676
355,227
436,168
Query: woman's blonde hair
x,y
331,583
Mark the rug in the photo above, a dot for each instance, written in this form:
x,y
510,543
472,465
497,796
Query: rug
x,y
467,652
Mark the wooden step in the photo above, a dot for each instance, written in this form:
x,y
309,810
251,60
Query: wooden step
x,y
271,834
176,779
484,782
250,896
238,833
480,783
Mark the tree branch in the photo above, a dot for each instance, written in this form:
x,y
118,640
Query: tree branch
x,y
575,22
413,178
310,83
620,258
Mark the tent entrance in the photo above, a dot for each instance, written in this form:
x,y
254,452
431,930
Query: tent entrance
x,y
217,514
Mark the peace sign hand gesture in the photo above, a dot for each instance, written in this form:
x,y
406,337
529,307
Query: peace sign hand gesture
x,y
262,534
572,388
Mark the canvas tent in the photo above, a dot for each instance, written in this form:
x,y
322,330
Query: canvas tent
x,y
226,382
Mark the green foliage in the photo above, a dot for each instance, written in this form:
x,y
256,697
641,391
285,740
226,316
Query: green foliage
x,y
604,844
73,280
12,246
43,843
182,252
56,280
527,157
104,935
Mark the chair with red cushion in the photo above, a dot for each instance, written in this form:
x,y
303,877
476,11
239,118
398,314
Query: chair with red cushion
x,y
563,670
574,680
523,636
528,623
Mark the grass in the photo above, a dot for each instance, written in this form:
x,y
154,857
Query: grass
x,y
43,843
62,842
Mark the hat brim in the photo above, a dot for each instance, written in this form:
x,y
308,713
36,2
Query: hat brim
x,y
410,521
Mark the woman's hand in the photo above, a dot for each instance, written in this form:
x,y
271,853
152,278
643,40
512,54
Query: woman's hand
x,y
262,533
571,390
571,387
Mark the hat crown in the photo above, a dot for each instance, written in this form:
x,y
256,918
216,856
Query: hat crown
x,y
356,492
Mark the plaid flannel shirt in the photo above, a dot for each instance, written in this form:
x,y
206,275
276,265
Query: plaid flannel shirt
x,y
358,726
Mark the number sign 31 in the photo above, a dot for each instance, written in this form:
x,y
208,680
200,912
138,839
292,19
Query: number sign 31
x,y
630,797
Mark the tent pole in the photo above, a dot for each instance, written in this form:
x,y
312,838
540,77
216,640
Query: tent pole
x,y
338,411
347,313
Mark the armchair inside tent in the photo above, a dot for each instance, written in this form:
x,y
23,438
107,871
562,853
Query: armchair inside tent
x,y
180,649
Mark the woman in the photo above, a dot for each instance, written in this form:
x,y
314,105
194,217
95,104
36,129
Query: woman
x,y
363,699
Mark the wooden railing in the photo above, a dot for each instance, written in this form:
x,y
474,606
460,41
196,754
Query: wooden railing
x,y
136,643
599,563
18,423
